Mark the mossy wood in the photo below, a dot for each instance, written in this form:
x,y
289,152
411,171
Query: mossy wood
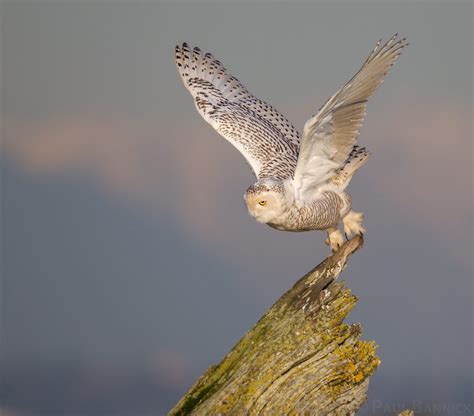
x,y
300,358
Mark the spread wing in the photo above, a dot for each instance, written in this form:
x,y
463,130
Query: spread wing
x,y
330,135
265,138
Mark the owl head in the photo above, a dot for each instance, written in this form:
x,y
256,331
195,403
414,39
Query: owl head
x,y
266,200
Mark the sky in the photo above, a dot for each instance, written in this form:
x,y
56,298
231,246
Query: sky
x,y
129,262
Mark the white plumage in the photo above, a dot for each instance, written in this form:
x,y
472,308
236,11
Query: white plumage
x,y
301,181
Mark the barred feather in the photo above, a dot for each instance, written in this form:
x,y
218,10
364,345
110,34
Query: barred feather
x,y
267,140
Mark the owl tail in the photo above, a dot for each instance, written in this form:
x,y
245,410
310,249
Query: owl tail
x,y
357,158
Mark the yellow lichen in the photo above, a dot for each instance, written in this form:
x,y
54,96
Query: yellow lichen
x,y
357,361
359,377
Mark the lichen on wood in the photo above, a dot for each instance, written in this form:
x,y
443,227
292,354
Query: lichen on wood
x,y
299,358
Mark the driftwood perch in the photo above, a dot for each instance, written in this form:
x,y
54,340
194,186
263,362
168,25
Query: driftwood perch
x,y
300,358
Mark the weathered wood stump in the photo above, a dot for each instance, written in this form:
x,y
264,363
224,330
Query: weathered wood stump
x,y
300,358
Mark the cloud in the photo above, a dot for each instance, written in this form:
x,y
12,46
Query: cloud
x,y
425,162
186,170
173,366
5,411
86,388
107,150
165,169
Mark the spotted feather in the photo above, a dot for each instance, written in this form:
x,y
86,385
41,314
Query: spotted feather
x,y
267,139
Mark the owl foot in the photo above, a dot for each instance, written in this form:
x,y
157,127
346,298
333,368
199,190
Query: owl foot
x,y
335,239
353,223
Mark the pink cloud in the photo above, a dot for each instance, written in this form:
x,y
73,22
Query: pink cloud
x,y
171,168
426,157
184,170
174,367
5,411
105,149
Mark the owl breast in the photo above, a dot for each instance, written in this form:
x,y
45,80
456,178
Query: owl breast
x,y
319,214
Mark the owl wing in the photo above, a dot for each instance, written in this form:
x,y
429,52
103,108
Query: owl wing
x,y
330,135
266,139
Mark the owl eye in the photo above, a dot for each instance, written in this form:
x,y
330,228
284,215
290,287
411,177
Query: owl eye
x,y
262,203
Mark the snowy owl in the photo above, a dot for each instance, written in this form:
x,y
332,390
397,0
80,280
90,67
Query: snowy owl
x,y
301,180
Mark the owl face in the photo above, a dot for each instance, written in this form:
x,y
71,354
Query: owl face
x,y
265,199
265,205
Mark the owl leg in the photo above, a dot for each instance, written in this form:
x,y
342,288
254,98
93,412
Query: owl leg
x,y
335,238
353,223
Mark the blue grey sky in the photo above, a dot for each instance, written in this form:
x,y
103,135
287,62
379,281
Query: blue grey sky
x,y
129,261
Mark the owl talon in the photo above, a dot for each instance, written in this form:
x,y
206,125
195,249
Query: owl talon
x,y
334,250
335,239
353,223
